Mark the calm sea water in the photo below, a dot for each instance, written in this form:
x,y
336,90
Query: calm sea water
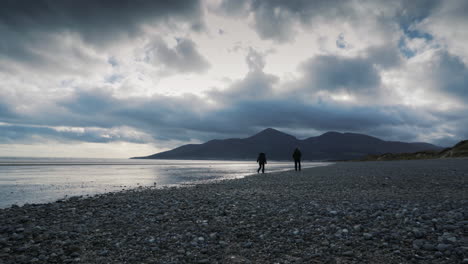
x,y
46,180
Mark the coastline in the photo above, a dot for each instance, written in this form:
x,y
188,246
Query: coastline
x,y
353,212
49,180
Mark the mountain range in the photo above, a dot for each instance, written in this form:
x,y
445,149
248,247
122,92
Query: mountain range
x,y
279,146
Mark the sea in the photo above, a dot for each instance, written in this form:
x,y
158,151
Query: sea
x,y
43,180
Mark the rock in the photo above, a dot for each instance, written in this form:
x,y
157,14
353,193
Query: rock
x,y
247,244
428,247
348,253
451,239
443,247
367,236
418,243
74,248
103,252
450,227
418,233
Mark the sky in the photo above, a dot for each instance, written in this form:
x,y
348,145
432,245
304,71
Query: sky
x,y
118,79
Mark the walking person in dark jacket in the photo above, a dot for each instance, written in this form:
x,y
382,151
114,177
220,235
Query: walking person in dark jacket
x,y
297,159
261,162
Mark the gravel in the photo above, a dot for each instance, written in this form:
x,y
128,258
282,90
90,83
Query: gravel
x,y
349,212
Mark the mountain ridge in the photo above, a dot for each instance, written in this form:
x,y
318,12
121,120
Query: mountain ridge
x,y
279,146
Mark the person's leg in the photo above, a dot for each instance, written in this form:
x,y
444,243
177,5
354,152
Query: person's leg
x,y
263,168
295,165
259,167
299,164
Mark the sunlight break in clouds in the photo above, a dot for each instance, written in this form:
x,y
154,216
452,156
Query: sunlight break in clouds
x,y
120,79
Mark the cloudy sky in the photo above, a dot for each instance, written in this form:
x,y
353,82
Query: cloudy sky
x,y
107,78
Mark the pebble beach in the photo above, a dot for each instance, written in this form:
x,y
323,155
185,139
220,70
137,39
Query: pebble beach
x,y
349,212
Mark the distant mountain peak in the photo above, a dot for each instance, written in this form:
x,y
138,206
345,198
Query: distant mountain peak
x,y
270,132
331,133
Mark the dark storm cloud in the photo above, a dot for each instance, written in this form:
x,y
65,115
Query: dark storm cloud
x,y
161,116
31,134
450,74
184,57
411,12
335,73
276,19
292,113
26,24
95,20
5,111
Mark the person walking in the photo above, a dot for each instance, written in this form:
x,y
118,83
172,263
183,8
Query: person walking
x,y
261,162
297,155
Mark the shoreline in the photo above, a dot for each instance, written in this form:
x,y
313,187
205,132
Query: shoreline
x,y
360,212
41,183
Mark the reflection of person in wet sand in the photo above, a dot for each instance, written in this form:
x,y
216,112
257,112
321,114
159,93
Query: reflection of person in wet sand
x,y
261,162
297,159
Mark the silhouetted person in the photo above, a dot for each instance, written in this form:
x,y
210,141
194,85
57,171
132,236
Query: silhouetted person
x,y
261,162
297,159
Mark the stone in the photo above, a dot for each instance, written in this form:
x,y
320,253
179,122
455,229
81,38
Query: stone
x,y
428,247
247,244
451,239
443,247
418,243
367,236
450,227
418,234
357,227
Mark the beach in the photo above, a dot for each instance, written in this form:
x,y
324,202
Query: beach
x,y
348,212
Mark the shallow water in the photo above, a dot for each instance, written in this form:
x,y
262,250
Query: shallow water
x,y
46,180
